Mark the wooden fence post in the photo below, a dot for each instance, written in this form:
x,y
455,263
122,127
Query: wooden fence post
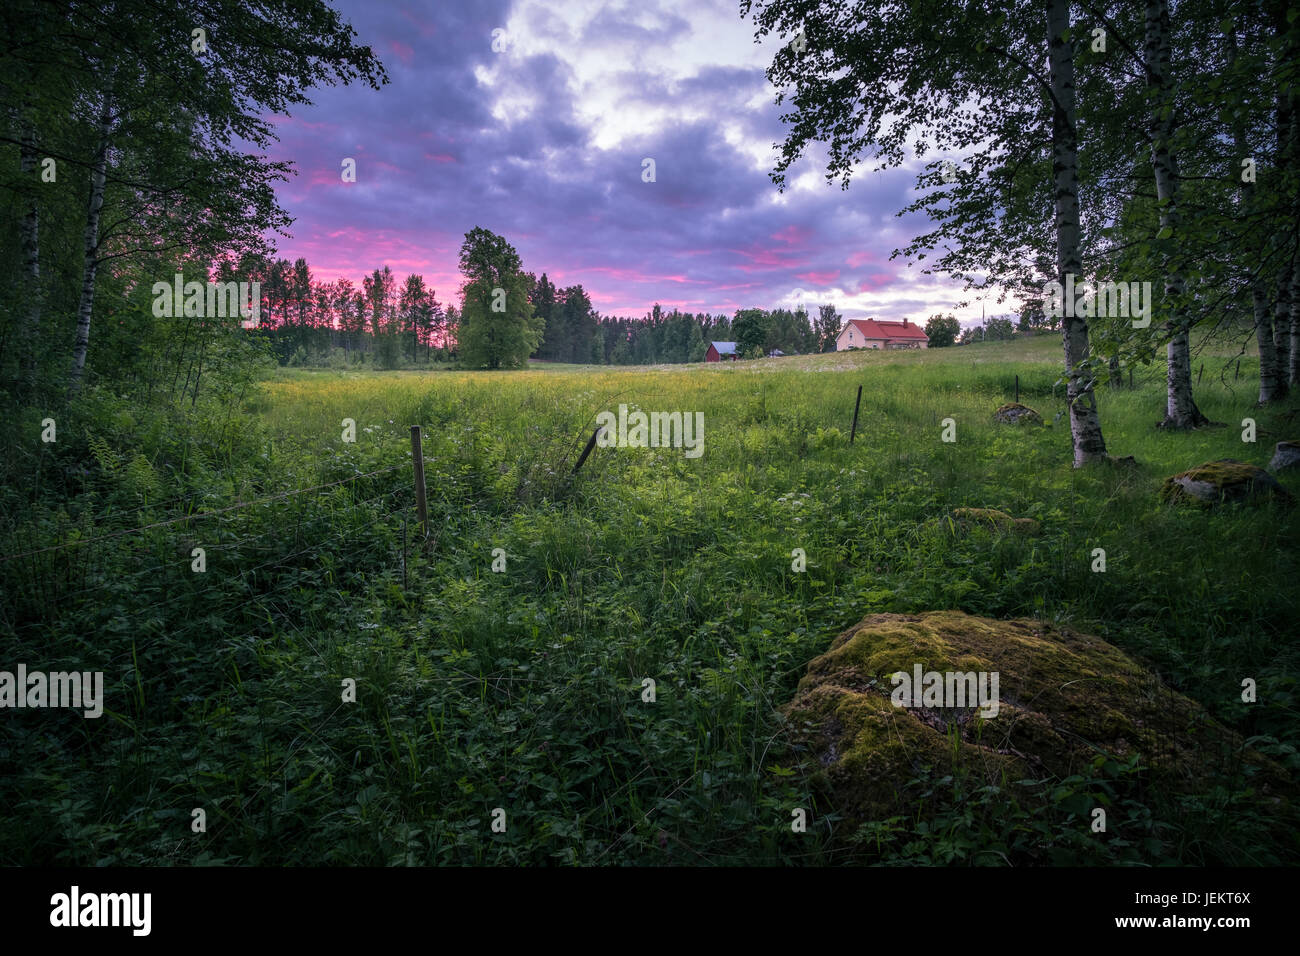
x,y
853,433
417,458
591,443
1017,389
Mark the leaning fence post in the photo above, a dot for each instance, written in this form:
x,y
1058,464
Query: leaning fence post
x,y
591,443
417,457
854,431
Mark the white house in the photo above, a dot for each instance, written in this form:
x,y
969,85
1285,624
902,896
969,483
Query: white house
x,y
879,334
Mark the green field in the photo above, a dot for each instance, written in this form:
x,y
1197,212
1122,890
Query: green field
x,y
522,689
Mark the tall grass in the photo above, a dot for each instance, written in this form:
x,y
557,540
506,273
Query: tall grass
x,y
522,690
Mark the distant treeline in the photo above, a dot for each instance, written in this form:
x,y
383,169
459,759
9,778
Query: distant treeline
x,y
386,322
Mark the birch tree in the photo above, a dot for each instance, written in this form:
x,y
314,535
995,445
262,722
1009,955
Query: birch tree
x,y
1272,381
1181,410
1213,90
144,79
878,78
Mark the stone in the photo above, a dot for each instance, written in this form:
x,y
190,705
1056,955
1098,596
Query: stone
x,y
1225,480
1013,413
1286,455
966,518
1064,697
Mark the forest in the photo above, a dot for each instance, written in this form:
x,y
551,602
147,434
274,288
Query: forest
x,y
387,323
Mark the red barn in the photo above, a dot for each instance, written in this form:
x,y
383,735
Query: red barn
x,y
719,351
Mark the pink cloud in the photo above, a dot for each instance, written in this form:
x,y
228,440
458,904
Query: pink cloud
x,y
818,278
327,177
422,27
296,122
632,275
404,52
876,281
792,234
332,176
861,258
352,253
768,259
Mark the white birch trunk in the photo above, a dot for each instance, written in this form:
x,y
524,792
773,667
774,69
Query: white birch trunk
x,y
1282,323
30,239
1271,383
1180,406
1085,426
1272,386
1293,377
1289,367
90,267
1286,290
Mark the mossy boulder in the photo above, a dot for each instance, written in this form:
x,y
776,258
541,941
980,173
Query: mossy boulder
x,y
1225,480
1063,698
967,518
1013,413
1286,455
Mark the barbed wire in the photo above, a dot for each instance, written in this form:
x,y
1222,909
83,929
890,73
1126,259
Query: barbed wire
x,y
451,484
136,649
198,517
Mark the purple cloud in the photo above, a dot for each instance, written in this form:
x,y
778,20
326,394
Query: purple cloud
x,y
544,143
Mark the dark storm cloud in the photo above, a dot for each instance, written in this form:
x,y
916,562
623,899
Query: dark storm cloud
x,y
464,136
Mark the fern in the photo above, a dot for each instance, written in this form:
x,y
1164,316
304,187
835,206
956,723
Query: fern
x,y
108,459
140,477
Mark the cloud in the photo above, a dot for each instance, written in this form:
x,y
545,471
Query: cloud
x,y
544,143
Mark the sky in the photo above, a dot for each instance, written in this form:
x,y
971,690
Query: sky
x,y
543,140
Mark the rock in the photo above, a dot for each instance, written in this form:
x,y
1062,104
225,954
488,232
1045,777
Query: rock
x,y
1062,698
1286,454
967,518
1225,480
1013,413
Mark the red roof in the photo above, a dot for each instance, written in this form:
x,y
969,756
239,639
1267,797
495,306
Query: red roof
x,y
880,329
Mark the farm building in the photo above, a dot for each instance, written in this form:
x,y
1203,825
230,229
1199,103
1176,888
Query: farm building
x,y
877,334
719,351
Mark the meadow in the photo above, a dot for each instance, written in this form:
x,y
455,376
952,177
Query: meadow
x,y
523,688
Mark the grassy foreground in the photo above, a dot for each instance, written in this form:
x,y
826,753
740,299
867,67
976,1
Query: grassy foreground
x,y
523,689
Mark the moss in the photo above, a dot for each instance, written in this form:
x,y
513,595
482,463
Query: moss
x,y
1064,697
965,517
1015,413
1224,480
1222,472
